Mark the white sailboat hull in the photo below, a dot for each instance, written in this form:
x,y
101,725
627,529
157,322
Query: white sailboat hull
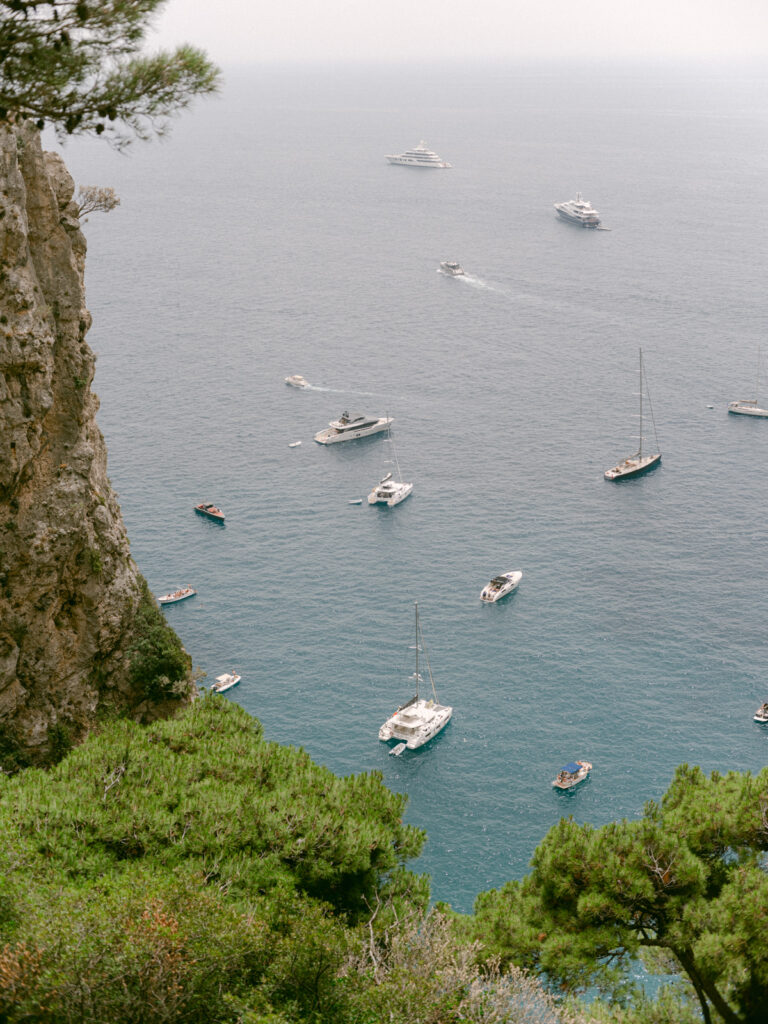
x,y
747,409
634,465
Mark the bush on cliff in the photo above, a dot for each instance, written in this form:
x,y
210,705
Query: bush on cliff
x,y
157,659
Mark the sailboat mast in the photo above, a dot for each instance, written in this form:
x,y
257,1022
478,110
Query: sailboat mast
x,y
640,451
416,606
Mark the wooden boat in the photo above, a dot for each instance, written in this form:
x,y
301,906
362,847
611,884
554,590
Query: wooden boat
x,y
210,511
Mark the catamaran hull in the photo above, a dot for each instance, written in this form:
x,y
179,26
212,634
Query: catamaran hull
x,y
389,731
619,473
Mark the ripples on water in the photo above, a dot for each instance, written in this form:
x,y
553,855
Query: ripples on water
x,y
269,237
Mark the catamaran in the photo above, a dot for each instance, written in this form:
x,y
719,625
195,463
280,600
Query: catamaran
x,y
417,721
640,462
391,489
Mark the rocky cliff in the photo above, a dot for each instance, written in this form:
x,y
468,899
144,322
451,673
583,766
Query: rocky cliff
x,y
80,637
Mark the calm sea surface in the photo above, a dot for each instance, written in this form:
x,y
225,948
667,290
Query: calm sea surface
x,y
268,236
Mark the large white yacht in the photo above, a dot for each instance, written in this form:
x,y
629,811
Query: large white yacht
x,y
351,425
578,211
417,721
419,156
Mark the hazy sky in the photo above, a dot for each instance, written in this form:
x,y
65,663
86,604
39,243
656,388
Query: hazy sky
x,y
247,31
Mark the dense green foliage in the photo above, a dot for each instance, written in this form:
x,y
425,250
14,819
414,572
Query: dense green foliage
x,y
191,871
76,64
158,662
689,878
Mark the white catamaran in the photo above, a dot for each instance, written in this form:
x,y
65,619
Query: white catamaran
x,y
391,489
640,462
418,721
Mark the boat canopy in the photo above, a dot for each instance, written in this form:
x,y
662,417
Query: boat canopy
x,y
571,768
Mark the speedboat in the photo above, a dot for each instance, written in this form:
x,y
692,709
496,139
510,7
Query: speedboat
x,y
419,156
452,269
177,595
572,774
205,508
761,715
297,381
578,211
418,720
351,425
501,585
225,682
389,492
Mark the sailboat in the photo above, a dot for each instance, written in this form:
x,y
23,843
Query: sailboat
x,y
640,462
390,491
418,721
749,406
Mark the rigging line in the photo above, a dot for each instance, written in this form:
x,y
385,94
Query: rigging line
x,y
650,405
429,667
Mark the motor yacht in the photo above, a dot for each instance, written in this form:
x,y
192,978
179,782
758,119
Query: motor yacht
x,y
225,682
297,381
177,595
501,585
452,269
418,720
572,774
578,211
351,425
419,156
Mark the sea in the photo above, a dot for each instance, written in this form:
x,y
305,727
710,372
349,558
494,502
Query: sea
x,y
268,236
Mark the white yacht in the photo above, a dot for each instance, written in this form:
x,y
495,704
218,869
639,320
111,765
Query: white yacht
x,y
417,721
640,462
501,585
749,406
297,381
578,211
452,269
351,425
572,774
419,156
761,715
391,489
225,682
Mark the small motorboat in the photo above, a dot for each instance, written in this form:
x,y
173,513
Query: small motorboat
x,y
572,774
294,444
297,381
452,269
225,682
397,751
501,585
761,715
177,595
210,511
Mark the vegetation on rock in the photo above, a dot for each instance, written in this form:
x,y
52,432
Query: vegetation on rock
x,y
190,870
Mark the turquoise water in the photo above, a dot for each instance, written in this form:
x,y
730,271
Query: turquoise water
x,y
268,237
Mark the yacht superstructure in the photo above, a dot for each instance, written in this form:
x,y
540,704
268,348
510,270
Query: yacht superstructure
x,y
419,156
578,211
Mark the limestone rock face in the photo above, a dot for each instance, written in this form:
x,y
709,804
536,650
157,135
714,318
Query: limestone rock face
x,y
69,589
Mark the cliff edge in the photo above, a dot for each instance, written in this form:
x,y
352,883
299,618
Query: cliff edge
x,y
80,636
